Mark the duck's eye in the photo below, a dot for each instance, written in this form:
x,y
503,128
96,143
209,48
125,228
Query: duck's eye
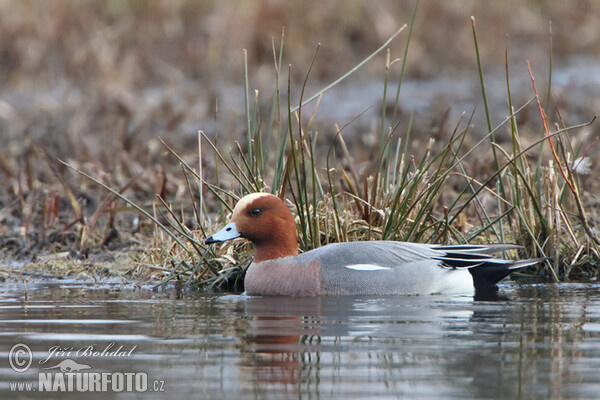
x,y
255,212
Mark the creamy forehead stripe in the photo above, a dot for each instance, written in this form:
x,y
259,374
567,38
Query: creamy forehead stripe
x,y
244,201
366,267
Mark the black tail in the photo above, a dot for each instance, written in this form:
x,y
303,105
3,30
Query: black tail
x,y
486,270
488,274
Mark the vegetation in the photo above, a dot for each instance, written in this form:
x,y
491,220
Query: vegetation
x,y
530,193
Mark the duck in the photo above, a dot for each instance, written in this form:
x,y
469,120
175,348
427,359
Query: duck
x,y
378,267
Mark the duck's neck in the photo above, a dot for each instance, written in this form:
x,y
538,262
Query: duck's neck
x,y
277,247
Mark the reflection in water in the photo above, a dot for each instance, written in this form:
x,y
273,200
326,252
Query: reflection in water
x,y
277,327
537,341
343,341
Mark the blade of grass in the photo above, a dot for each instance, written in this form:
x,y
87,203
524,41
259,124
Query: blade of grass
x,y
404,58
132,204
352,70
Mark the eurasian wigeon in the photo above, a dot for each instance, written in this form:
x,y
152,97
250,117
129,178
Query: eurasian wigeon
x,y
369,267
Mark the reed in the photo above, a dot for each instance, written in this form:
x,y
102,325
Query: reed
x,y
533,196
400,196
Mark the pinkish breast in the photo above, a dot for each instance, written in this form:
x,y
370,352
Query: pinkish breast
x,y
282,277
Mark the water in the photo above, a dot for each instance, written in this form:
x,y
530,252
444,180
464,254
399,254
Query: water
x,y
537,341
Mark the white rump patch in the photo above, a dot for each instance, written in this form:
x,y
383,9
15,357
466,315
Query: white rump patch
x,y
366,267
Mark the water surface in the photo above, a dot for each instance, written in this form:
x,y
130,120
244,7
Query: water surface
x,y
536,341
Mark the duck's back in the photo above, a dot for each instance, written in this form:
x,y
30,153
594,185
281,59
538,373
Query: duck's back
x,y
386,267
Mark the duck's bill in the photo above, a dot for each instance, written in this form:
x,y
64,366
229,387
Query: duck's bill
x,y
227,233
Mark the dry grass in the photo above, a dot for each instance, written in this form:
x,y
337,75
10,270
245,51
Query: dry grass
x,y
95,83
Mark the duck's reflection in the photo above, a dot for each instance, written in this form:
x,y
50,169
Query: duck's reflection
x,y
276,330
287,337
411,346
278,322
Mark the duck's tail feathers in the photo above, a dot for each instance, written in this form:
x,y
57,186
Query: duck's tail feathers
x,y
481,249
488,274
486,270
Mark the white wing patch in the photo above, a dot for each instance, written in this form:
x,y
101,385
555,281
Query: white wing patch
x,y
366,267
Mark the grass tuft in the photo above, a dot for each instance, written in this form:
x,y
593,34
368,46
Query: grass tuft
x,y
433,196
401,182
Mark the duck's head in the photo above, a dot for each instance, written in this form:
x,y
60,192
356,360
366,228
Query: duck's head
x,y
266,221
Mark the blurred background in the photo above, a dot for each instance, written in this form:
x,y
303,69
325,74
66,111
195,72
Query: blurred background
x,y
95,83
